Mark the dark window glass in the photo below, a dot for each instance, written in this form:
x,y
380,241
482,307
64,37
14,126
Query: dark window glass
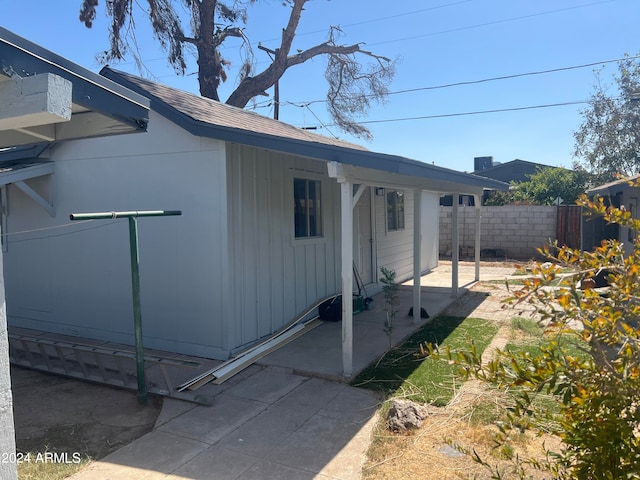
x,y
307,208
395,210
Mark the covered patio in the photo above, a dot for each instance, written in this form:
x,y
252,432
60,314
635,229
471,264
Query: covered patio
x,y
317,353
360,170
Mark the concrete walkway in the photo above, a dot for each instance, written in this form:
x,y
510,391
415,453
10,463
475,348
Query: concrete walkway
x,y
266,424
271,421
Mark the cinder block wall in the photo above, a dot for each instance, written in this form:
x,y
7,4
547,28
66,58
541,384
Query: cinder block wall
x,y
512,231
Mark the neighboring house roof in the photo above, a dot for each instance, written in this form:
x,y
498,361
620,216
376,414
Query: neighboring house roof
x,y
208,118
614,187
98,105
514,171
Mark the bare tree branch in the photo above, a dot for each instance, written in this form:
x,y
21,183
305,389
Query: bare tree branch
x,y
351,88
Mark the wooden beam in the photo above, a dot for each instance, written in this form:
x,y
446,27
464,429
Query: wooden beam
x,y
358,194
32,171
37,100
45,133
36,197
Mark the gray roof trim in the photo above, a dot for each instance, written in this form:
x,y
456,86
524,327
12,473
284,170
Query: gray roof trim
x,y
614,187
19,171
511,163
312,149
23,58
24,151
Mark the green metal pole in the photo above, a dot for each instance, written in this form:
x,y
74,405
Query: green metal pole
x,y
135,279
137,311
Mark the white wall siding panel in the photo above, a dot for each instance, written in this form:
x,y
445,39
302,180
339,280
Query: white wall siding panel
x,y
430,230
395,248
75,278
280,276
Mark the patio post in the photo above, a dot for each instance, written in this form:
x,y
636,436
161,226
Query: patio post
x,y
346,219
417,257
455,246
477,200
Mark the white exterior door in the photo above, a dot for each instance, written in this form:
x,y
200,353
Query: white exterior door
x,y
363,238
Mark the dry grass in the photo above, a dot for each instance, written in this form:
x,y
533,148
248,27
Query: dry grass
x,y
467,423
422,455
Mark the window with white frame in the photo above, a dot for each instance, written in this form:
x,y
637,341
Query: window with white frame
x,y
307,208
395,210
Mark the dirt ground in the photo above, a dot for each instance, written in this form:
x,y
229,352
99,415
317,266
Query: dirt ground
x,y
66,416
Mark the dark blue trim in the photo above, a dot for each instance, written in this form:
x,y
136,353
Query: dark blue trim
x,y
24,58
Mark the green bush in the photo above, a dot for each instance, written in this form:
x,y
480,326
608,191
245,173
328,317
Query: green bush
x,y
589,363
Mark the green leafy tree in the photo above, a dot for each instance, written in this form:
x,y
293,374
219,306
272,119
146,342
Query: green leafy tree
x,y
544,187
548,185
589,363
608,140
352,85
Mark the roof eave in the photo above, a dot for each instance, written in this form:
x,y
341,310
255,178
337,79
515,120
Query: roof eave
x,y
319,151
21,57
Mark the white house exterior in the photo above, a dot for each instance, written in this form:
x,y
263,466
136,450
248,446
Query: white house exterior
x,y
266,214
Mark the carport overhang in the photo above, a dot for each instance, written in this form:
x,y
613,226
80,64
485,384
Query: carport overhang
x,y
45,99
400,174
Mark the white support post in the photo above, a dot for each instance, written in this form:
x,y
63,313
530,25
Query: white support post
x,y
455,246
346,206
477,200
417,257
8,469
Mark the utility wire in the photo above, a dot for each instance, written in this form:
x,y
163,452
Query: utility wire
x,y
469,27
266,103
495,22
56,227
490,79
477,112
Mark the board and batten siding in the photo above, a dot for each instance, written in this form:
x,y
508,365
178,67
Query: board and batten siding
x,y
276,277
74,278
395,248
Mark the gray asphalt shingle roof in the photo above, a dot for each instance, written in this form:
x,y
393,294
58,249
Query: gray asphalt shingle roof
x,y
207,111
209,118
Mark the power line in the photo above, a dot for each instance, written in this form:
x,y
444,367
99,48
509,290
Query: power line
x,y
470,27
493,79
477,112
495,22
381,19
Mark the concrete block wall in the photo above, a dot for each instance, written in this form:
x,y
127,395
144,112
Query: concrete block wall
x,y
513,231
